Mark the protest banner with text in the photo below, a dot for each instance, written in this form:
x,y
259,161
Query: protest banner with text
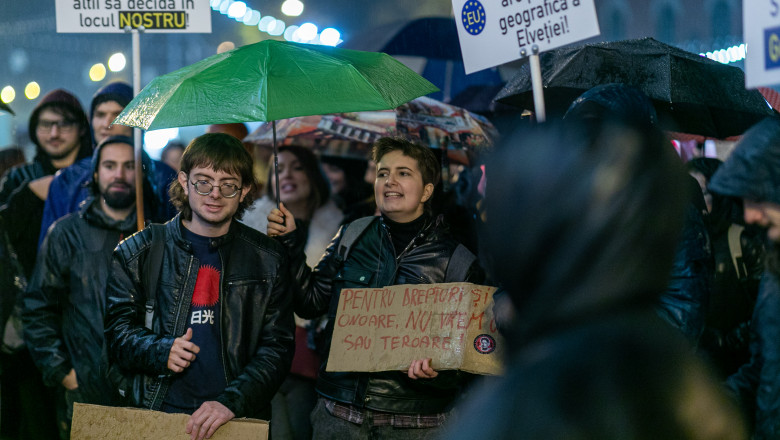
x,y
383,329
493,32
113,16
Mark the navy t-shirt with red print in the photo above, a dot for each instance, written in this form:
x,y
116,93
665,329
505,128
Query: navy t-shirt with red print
x,y
205,378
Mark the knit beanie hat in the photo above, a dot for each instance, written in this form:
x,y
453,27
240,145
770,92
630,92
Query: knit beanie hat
x,y
118,91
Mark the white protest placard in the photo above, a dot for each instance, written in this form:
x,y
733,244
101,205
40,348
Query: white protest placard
x,y
112,16
761,22
493,32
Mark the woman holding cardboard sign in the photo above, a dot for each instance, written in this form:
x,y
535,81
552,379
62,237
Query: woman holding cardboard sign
x,y
405,245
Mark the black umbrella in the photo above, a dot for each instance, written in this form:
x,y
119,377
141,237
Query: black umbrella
x,y
4,107
691,93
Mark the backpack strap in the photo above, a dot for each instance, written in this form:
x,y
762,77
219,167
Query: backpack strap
x,y
735,247
351,233
460,262
152,269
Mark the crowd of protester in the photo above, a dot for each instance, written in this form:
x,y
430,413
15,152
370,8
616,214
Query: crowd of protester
x,y
636,293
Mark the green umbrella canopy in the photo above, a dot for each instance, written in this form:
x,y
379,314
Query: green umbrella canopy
x,y
273,80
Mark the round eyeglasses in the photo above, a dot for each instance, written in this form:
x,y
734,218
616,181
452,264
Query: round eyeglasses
x,y
204,188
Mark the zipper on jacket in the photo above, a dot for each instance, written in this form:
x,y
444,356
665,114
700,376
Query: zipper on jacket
x,y
221,297
156,397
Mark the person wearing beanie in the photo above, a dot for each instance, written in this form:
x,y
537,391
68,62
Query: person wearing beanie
x,y
66,342
69,187
60,131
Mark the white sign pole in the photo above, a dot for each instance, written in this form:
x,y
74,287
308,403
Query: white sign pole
x,y
536,82
137,138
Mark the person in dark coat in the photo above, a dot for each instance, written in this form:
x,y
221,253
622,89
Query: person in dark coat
x,y
64,303
214,338
684,302
752,173
404,245
582,224
60,131
738,255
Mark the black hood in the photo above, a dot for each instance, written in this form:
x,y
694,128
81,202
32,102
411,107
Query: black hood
x,y
582,220
752,171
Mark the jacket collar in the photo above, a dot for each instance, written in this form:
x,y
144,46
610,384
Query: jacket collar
x,y
92,212
175,229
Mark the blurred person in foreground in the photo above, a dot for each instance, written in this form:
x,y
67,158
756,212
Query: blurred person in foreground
x,y
217,341
404,245
64,303
684,301
583,247
752,173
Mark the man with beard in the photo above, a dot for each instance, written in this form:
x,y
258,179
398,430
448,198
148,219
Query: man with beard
x,y
64,302
752,173
69,187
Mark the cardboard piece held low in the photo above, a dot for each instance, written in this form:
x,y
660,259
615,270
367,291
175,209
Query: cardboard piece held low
x,y
96,422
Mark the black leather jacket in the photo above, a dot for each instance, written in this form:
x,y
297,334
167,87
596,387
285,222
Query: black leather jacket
x,y
372,263
257,325
65,300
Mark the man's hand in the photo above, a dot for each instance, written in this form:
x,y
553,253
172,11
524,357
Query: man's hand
x,y
205,421
280,221
69,381
182,353
422,369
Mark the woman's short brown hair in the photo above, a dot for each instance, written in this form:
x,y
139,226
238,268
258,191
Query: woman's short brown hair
x,y
426,160
220,152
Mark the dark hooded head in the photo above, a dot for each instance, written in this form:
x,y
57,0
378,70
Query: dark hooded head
x,y
626,101
752,171
582,220
66,104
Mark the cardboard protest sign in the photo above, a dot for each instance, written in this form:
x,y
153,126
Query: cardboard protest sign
x,y
382,329
112,16
95,422
493,32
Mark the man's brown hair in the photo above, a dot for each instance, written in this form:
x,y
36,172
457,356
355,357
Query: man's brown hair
x,y
220,152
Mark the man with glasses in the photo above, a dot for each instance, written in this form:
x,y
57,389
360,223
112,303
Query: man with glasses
x,y
219,335
60,131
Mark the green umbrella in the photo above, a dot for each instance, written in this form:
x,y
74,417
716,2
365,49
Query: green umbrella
x,y
273,80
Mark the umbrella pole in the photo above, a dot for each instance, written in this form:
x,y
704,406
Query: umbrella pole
x,y
276,164
137,140
536,82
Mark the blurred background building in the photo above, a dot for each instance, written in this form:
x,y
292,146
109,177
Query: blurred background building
x,y
34,59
